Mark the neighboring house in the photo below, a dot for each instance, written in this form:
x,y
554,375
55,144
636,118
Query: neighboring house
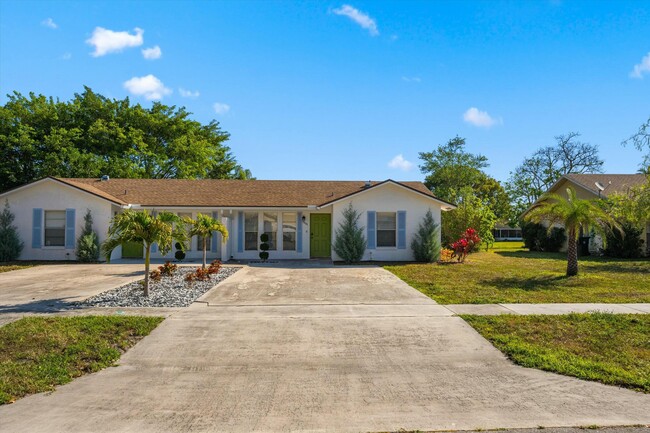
x,y
300,217
503,232
593,186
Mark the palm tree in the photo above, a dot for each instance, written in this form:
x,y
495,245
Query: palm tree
x,y
203,227
145,228
573,213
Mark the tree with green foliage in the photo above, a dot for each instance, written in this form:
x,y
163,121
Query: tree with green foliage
x,y
88,241
573,214
145,228
349,241
539,172
92,135
641,140
10,244
204,226
449,168
471,212
426,241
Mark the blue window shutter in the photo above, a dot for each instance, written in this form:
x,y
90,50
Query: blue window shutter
x,y
401,230
69,228
372,230
37,228
154,246
214,245
240,232
299,232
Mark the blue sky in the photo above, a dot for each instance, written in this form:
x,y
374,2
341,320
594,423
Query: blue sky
x,y
338,90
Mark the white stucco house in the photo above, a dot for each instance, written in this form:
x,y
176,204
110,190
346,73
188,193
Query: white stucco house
x,y
301,217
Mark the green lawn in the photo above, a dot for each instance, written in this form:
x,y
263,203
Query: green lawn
x,y
38,353
14,266
510,274
608,348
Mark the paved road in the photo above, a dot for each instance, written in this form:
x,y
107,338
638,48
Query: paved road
x,y
323,349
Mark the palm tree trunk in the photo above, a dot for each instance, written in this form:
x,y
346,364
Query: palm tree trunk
x,y
147,259
204,251
572,254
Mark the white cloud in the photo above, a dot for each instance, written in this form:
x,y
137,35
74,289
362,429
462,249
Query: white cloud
x,y
412,79
188,93
107,41
152,53
49,22
641,68
358,17
221,108
400,163
148,86
66,56
480,118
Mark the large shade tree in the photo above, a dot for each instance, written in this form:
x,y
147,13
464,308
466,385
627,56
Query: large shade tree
x,y
573,214
142,227
92,135
204,226
540,171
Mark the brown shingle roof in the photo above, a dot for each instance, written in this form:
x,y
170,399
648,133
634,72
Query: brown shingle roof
x,y
613,183
227,193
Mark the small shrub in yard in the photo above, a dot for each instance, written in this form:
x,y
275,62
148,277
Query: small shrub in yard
x,y
200,274
168,269
626,244
446,255
264,246
537,237
214,267
10,244
426,242
155,275
463,246
349,242
88,242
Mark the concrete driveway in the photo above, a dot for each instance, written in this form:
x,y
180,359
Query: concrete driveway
x,y
322,349
54,286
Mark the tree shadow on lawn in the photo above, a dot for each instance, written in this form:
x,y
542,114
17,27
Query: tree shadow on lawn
x,y
529,284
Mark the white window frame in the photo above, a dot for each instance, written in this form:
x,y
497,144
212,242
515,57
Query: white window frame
x,y
295,231
377,230
44,240
257,233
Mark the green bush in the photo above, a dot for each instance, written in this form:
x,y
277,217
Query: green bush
x,y
88,241
537,237
426,242
349,242
625,245
10,243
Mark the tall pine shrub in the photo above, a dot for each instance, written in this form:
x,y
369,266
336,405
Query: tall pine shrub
x,y
88,241
349,242
426,241
10,243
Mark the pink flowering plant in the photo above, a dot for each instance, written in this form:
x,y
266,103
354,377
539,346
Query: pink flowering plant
x,y
463,246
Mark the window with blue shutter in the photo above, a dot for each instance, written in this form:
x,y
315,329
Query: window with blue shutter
x,y
70,228
371,228
401,230
214,245
37,228
299,233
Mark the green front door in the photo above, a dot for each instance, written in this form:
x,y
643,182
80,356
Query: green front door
x,y
321,235
132,250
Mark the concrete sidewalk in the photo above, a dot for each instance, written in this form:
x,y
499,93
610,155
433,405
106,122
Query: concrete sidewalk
x,y
550,309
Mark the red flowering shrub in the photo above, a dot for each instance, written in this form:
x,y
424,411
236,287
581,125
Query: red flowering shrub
x,y
463,246
168,269
155,275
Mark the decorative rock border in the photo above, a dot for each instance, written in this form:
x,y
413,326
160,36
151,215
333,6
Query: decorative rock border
x,y
171,291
